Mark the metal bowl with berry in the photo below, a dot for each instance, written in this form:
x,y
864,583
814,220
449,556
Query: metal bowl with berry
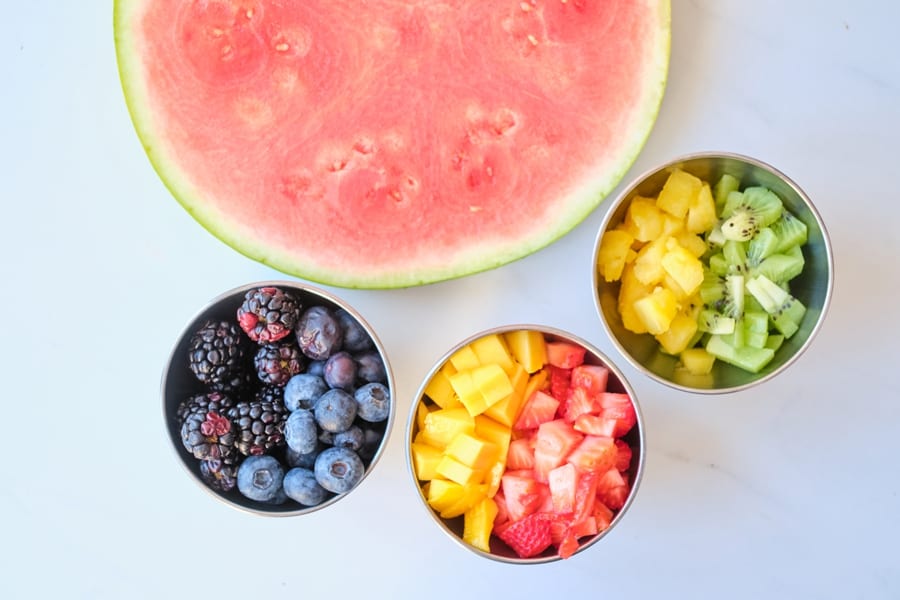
x,y
277,398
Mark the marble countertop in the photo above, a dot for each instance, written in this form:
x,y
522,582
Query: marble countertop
x,y
785,491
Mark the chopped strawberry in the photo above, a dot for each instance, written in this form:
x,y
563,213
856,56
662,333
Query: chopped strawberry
x,y
539,408
560,382
594,453
527,537
520,454
594,425
574,531
579,401
585,495
612,489
623,455
565,355
618,406
592,378
603,516
555,440
562,482
522,495
502,511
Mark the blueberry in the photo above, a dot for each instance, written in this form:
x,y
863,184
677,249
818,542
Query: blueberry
x,y
316,367
327,437
373,402
303,390
371,442
352,439
370,367
340,371
301,485
305,460
300,431
338,470
335,411
356,338
319,333
260,478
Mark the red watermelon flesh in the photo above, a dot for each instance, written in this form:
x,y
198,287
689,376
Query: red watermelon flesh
x,y
388,143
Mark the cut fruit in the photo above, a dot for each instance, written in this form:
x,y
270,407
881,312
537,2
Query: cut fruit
x,y
360,145
745,357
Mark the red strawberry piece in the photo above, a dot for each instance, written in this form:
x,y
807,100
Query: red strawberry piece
x,y
560,381
522,493
579,401
603,516
619,407
594,453
539,408
592,378
520,454
623,455
612,489
565,355
562,482
527,537
595,425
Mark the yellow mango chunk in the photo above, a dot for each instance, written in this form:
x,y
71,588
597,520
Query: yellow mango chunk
x,y
643,219
467,391
648,264
493,383
528,348
471,495
425,460
496,433
442,425
494,477
439,388
697,361
441,494
615,246
422,409
473,452
656,310
464,359
507,409
701,214
678,193
679,335
492,349
684,267
450,468
478,522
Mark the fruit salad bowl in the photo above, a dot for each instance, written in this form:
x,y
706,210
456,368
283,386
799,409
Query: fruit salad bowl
x,y
525,444
712,273
277,398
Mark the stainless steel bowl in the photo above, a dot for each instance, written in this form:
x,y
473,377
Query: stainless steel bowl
x,y
178,383
500,552
813,287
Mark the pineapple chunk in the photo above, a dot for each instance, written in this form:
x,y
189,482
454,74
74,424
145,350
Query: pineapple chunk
x,y
643,219
528,348
679,335
478,522
672,226
648,264
656,310
684,267
701,214
692,242
615,246
631,290
697,361
679,193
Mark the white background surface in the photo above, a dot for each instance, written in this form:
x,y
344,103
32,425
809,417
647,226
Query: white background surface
x,y
786,491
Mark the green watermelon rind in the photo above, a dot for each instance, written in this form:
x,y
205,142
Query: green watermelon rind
x,y
487,256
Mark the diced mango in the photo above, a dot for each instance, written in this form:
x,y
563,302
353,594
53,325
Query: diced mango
x,y
492,349
478,522
494,477
422,409
450,468
464,358
442,493
472,451
678,193
684,267
507,409
442,425
467,391
697,361
679,334
701,214
648,265
471,495
615,246
643,219
528,348
425,460
496,433
439,388
656,310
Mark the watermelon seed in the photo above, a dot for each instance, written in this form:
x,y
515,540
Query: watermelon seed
x,y
532,39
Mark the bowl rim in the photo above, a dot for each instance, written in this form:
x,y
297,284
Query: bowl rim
x,y
639,179
639,428
187,329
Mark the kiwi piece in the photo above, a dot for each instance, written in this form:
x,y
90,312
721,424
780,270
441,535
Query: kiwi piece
x,y
732,302
712,288
718,264
785,311
758,207
711,321
764,244
736,256
789,230
744,357
724,186
781,268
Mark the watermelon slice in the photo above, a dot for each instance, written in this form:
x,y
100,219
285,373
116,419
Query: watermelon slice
x,y
389,143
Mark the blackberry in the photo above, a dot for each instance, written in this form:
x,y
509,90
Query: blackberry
x,y
218,474
277,363
207,430
268,314
216,355
259,425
